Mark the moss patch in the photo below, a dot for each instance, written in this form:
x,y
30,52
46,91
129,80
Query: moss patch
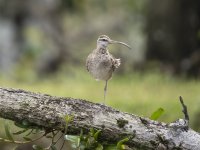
x,y
121,122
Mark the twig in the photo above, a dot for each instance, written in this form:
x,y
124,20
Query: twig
x,y
52,140
185,112
62,144
62,134
21,142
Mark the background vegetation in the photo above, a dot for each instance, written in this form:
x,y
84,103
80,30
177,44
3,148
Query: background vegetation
x,y
44,45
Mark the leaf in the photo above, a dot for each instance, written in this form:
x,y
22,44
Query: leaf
x,y
20,132
37,147
121,142
20,125
24,124
92,132
123,147
29,132
111,147
49,136
71,138
75,140
99,147
78,141
81,135
96,135
157,114
27,138
53,147
73,145
35,131
68,119
8,133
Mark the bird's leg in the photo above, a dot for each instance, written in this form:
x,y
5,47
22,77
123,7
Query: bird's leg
x,y
105,91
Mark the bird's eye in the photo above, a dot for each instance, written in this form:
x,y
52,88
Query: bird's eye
x,y
103,39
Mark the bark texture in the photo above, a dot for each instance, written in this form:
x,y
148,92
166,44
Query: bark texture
x,y
48,111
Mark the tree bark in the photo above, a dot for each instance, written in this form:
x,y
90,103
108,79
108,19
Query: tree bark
x,y
48,111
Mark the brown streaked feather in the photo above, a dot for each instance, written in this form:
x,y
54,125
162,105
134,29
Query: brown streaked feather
x,y
101,64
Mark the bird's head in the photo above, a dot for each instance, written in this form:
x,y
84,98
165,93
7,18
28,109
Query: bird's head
x,y
104,40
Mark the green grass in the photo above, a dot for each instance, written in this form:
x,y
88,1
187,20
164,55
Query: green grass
x,y
138,93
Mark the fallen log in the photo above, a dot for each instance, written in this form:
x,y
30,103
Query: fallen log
x,y
48,111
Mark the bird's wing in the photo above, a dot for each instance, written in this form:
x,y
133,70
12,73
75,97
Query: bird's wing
x,y
115,62
87,62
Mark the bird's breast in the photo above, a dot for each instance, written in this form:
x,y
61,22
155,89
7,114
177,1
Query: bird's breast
x,y
100,66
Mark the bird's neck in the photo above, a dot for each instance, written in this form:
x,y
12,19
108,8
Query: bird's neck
x,y
101,50
101,46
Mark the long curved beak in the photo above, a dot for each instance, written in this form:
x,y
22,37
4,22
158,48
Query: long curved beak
x,y
118,42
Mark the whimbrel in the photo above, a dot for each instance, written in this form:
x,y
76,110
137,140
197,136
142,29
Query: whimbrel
x,y
100,63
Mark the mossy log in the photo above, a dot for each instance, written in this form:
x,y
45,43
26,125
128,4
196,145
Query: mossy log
x,y
48,111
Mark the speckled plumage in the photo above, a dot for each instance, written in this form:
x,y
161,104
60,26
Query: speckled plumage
x,y
100,63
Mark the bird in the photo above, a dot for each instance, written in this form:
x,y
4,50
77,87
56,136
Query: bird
x,y
100,63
